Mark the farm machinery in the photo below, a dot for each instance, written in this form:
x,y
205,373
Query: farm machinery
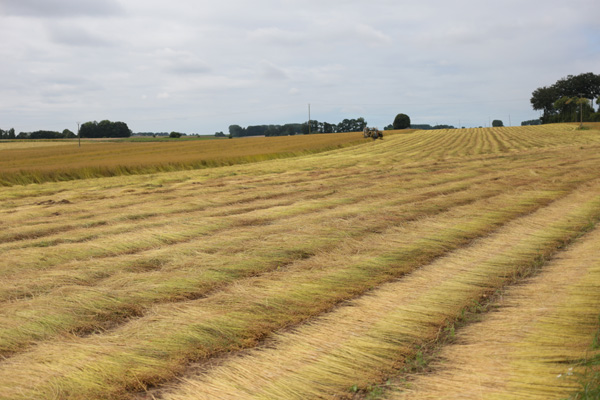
x,y
372,133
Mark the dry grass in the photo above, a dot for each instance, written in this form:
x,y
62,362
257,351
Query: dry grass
x,y
531,346
38,162
361,342
112,285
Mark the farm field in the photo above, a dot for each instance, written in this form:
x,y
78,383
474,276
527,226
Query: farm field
x,y
435,264
27,161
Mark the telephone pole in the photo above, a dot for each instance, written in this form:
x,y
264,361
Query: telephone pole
x,y
580,111
78,134
309,118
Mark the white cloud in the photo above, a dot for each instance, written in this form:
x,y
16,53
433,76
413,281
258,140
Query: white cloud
x,y
78,36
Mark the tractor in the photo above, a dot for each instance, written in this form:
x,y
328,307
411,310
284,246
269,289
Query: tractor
x,y
372,133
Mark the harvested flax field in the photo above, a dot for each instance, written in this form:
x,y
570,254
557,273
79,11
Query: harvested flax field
x,y
448,264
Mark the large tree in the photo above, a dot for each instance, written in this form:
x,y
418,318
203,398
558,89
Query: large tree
x,y
402,121
583,85
545,99
105,129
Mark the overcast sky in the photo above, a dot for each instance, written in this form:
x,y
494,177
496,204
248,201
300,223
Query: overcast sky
x,y
200,66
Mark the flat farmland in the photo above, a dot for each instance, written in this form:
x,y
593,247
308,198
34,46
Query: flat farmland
x,y
23,162
433,264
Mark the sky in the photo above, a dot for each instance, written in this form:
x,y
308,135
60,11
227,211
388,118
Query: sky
x,y
200,66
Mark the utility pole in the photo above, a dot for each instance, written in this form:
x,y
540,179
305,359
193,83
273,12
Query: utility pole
x,y
78,134
580,111
309,118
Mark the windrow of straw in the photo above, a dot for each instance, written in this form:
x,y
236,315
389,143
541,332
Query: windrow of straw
x,y
534,346
362,342
105,365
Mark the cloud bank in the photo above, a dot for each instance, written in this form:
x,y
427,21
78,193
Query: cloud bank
x,y
198,68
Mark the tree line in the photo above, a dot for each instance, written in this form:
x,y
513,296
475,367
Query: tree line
x,y
41,134
427,127
102,129
9,134
569,99
347,125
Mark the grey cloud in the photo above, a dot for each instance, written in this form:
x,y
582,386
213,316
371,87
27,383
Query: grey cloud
x,y
181,62
60,8
371,36
189,68
272,71
238,55
277,36
72,35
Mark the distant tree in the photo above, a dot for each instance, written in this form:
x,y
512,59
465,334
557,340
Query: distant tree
x,y
68,134
256,130
45,135
497,123
273,130
572,109
359,125
328,128
105,128
351,125
388,128
583,85
236,131
402,121
120,129
315,127
88,129
343,126
175,135
545,99
11,133
291,129
421,126
532,122
219,134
